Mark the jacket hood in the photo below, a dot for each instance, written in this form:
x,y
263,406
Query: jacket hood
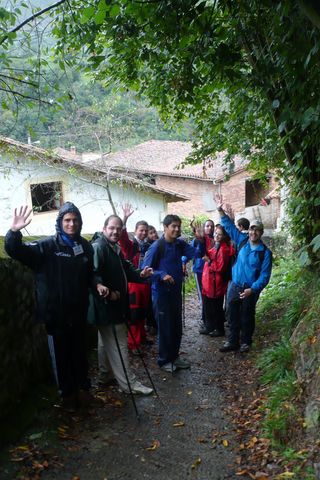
x,y
67,207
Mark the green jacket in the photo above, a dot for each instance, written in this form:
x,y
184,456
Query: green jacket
x,y
113,271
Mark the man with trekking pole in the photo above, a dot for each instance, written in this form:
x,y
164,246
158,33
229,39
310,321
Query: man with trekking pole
x,y
109,303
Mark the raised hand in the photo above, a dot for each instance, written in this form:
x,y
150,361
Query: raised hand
x,y
219,201
21,218
229,210
128,210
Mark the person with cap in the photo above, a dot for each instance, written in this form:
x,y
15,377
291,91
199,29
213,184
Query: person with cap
x,y
250,274
63,267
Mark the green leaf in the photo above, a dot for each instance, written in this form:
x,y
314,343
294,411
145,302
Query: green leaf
x,y
114,11
304,259
315,243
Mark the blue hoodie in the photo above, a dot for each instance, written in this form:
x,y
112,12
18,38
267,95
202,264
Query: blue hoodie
x,y
248,272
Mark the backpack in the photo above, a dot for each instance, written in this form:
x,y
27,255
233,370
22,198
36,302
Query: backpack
x,y
160,251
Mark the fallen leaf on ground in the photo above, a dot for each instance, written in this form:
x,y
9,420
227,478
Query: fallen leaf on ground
x,y
155,444
225,443
196,463
178,424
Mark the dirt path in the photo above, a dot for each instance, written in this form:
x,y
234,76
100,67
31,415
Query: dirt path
x,y
185,433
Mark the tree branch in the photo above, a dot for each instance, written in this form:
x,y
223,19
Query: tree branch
x,y
32,17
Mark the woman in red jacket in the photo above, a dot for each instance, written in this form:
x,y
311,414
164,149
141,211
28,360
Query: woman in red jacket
x,y
215,279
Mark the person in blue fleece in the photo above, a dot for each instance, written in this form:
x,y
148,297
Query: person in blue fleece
x,y
164,257
250,274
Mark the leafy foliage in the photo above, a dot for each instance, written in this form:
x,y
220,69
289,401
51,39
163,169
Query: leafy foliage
x,y
246,73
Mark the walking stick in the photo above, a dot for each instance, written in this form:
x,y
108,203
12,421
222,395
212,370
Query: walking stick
x,y
142,359
184,273
125,371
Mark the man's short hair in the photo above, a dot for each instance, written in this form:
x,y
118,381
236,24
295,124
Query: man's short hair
x,y
109,218
168,219
141,222
243,222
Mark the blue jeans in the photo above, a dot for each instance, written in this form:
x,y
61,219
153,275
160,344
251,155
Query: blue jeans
x,y
241,317
167,305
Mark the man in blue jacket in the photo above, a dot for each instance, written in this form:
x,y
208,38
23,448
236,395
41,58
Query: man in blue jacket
x,y
164,257
250,274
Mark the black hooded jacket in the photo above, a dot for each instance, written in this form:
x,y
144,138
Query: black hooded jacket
x,y
62,278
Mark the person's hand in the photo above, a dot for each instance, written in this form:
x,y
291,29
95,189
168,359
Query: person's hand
x,y
206,258
219,201
21,218
146,272
114,296
128,210
102,290
246,293
229,211
168,279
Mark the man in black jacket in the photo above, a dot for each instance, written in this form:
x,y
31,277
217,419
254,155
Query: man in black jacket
x,y
109,303
63,267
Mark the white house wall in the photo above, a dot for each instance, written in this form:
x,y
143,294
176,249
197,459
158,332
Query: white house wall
x,y
16,178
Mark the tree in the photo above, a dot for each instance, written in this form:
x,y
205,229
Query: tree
x,y
247,72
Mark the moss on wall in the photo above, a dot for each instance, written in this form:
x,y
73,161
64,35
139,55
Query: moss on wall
x,y
23,348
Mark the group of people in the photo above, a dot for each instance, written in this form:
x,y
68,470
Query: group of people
x,y
233,269
127,286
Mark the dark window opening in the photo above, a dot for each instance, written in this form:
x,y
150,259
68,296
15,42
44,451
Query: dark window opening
x,y
255,191
46,196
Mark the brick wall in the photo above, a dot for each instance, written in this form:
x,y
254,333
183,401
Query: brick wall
x,y
200,192
233,192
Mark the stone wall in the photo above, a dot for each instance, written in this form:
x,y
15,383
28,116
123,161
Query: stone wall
x,y
23,348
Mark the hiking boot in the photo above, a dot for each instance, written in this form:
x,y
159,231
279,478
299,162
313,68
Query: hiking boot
x,y
110,382
86,400
70,403
181,364
204,331
217,333
169,367
228,347
244,348
136,353
139,389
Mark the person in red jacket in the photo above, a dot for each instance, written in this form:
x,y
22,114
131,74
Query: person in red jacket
x,y
139,293
215,281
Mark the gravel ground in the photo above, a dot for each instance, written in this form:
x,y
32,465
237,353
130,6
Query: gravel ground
x,y
183,433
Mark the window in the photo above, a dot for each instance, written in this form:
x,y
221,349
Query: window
x,y
255,191
46,196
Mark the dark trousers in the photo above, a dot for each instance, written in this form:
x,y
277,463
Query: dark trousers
x,y
242,319
69,359
167,306
198,278
213,313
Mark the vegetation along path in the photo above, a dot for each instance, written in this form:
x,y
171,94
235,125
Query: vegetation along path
x,y
204,425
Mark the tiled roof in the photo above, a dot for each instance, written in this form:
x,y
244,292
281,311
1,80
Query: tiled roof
x,y
165,157
97,174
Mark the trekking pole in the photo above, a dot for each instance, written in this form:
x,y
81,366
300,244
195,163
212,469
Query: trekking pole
x,y
125,371
184,275
142,359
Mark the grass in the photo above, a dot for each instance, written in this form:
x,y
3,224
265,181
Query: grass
x,y
291,298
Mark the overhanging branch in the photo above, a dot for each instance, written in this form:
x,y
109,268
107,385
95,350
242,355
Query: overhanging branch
x,y
29,19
